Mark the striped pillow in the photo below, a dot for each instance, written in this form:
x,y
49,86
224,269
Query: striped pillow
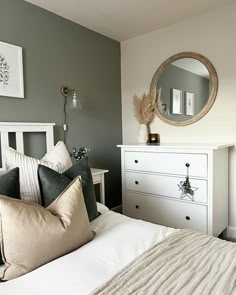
x,y
29,186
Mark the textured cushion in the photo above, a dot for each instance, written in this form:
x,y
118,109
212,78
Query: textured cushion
x,y
53,183
31,235
29,187
59,154
10,186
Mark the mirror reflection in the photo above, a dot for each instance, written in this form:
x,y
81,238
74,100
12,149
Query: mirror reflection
x,y
183,89
186,85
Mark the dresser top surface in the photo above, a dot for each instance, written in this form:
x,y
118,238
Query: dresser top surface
x,y
213,146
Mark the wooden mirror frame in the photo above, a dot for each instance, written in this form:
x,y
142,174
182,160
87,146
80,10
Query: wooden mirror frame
x,y
213,81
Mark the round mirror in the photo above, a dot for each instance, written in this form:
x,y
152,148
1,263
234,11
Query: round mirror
x,y
186,86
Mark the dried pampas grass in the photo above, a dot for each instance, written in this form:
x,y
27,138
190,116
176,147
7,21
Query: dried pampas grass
x,y
145,107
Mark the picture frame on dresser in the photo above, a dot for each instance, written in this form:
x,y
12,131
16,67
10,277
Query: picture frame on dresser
x,y
150,178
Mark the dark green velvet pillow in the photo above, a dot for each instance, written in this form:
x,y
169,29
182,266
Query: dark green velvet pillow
x,y
10,184
10,187
53,183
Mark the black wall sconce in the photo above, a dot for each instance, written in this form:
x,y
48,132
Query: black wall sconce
x,y
66,92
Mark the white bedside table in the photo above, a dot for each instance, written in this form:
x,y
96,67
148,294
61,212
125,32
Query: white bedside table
x,y
98,178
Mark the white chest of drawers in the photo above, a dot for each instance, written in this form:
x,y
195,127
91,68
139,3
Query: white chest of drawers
x,y
150,178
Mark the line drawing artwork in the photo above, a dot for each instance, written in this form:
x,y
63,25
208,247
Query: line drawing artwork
x,y
4,71
11,70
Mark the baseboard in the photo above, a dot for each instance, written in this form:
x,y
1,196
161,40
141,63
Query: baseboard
x,y
117,209
230,233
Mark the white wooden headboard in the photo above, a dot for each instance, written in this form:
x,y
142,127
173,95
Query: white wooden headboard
x,y
19,129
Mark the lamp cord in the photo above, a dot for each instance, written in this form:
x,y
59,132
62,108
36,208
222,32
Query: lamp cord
x,y
65,121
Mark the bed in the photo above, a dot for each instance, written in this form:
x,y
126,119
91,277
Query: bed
x,y
119,240
85,269
108,253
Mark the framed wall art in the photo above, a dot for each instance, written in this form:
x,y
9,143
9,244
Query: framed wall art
x,y
189,104
11,70
176,101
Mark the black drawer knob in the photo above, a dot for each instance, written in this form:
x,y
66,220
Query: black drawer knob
x,y
136,182
187,165
187,217
135,161
137,206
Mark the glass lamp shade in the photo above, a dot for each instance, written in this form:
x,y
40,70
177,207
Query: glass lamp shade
x,y
75,103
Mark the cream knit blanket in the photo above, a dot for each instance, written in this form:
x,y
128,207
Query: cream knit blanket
x,y
185,263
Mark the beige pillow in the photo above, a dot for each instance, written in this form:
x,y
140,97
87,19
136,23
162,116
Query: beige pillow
x,y
31,235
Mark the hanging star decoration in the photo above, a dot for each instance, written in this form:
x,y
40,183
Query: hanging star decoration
x,y
187,191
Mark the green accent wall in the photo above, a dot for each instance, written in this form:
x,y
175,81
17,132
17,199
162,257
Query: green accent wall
x,y
59,52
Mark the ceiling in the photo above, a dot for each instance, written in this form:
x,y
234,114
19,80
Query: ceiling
x,y
192,65
125,19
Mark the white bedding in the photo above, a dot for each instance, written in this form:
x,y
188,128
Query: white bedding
x,y
119,240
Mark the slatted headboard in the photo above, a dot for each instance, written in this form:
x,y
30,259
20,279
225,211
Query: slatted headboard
x,y
19,129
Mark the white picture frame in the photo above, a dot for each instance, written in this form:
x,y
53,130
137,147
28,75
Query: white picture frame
x,y
11,70
189,104
176,101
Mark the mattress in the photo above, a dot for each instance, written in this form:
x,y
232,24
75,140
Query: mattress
x,y
119,239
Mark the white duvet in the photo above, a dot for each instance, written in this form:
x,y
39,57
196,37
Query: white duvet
x,y
118,241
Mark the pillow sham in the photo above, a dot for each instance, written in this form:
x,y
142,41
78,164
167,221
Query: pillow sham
x,y
31,235
53,183
10,186
59,154
57,158
29,187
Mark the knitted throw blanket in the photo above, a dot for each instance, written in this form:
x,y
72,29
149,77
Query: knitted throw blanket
x,y
185,263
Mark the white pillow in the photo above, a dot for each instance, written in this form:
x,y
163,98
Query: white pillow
x,y
59,154
57,159
102,208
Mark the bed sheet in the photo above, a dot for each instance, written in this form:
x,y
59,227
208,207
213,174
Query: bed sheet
x,y
119,239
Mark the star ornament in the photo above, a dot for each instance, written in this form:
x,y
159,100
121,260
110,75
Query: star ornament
x,y
187,191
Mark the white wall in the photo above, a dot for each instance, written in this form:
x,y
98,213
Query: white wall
x,y
212,35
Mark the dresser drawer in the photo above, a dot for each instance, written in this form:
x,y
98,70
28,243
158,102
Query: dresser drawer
x,y
167,212
171,163
163,185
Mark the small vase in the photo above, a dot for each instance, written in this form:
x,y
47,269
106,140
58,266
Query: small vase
x,y
143,133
